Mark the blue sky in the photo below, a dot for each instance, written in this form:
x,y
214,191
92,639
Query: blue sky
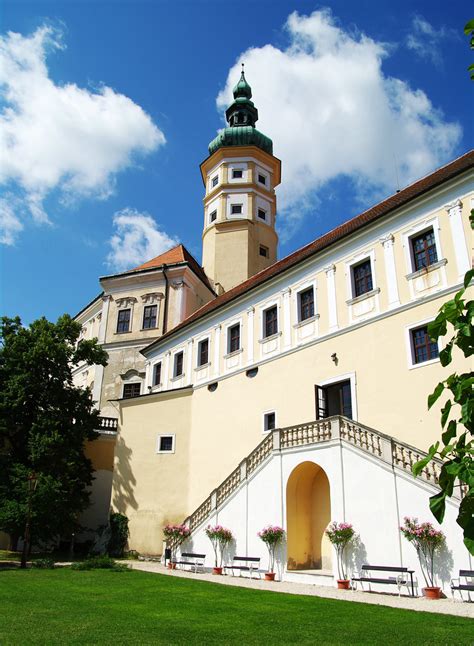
x,y
108,108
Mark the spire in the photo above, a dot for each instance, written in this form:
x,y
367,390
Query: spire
x,y
242,89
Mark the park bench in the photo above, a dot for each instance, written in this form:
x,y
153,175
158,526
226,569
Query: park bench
x,y
468,586
245,564
189,559
369,574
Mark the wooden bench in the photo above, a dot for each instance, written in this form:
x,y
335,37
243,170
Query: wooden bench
x,y
368,575
468,586
192,560
245,564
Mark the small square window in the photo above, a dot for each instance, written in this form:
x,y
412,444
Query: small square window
x,y
423,248
362,278
306,304
213,216
423,348
165,444
264,251
262,214
269,421
270,321
262,179
178,364
131,390
236,209
237,173
233,338
123,321
149,317
157,374
215,181
203,352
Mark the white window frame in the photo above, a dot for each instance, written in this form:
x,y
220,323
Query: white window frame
x,y
298,292
237,180
263,309
416,229
409,345
227,327
368,254
348,376
153,385
199,341
214,184
158,443
211,220
173,364
234,199
265,414
260,171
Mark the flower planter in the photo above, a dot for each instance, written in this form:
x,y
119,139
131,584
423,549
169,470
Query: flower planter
x,y
343,584
171,566
269,576
432,592
216,570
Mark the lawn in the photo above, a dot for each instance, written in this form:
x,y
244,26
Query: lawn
x,y
105,607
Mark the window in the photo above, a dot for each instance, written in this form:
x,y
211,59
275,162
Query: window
x,y
203,352
334,399
423,348
264,251
214,181
269,421
123,321
236,209
149,317
178,364
270,321
424,251
306,304
131,390
262,179
213,216
362,278
165,444
237,174
262,214
233,338
157,374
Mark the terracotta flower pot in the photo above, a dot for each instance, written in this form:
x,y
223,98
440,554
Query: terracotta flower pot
x,y
216,570
432,592
343,584
171,566
269,576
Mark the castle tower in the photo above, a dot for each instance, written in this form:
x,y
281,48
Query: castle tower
x,y
240,176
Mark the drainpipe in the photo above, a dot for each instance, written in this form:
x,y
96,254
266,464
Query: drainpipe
x,y
165,311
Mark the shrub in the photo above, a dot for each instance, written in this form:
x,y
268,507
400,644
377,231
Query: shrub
x,y
43,564
118,534
99,563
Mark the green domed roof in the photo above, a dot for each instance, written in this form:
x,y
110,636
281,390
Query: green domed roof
x,y
241,116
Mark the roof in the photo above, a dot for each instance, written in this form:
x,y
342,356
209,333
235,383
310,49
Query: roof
x,y
88,305
175,256
403,197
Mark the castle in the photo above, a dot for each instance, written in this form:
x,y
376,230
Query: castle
x,y
253,390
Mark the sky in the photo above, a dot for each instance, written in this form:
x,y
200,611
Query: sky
x,y
107,109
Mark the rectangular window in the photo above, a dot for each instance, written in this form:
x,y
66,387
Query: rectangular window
x,y
262,179
423,348
424,250
264,251
203,352
123,321
131,390
157,374
233,338
178,364
236,209
269,421
362,278
213,216
237,174
215,181
262,214
149,317
270,321
165,444
306,304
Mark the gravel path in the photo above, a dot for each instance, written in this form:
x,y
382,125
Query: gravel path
x,y
443,606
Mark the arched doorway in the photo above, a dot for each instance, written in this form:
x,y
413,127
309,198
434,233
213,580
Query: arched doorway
x,y
308,513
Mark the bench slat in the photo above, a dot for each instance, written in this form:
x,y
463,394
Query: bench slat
x,y
466,573
386,568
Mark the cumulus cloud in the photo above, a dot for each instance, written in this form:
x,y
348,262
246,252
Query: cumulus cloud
x,y
425,40
332,112
60,137
137,238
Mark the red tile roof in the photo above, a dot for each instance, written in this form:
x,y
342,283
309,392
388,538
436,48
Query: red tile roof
x,y
395,201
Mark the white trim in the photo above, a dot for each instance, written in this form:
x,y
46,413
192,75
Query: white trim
x,y
217,350
409,345
158,442
332,300
348,376
265,413
286,326
461,253
390,270
250,334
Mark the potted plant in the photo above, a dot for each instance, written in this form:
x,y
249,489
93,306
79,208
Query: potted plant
x,y
175,535
340,535
427,541
271,535
220,537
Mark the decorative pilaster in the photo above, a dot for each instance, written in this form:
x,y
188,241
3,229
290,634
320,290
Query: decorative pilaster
x,y
189,370
180,302
390,271
250,334
461,253
166,371
217,349
332,303
286,293
104,318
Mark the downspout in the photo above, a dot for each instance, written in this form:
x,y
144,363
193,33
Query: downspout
x,y
165,309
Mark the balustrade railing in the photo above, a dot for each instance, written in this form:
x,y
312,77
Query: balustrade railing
x,y
108,425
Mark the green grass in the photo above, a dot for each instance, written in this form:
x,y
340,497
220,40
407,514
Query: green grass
x,y
105,607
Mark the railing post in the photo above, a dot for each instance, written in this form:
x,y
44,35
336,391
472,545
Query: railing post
x,y
243,470
335,428
387,455
214,500
276,439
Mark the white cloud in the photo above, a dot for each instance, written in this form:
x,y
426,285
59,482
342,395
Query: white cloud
x,y
61,137
331,112
137,238
10,223
425,40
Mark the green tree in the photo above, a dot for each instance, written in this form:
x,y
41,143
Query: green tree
x,y
469,31
45,422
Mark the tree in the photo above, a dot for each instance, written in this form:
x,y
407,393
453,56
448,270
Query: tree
x,y
469,31
45,422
